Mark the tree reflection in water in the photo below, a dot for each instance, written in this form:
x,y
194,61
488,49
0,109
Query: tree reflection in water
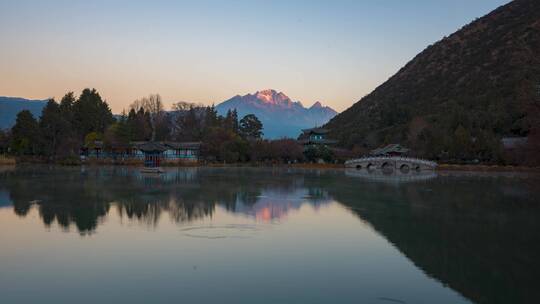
x,y
478,235
83,197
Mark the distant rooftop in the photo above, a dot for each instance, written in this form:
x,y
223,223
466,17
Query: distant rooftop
x,y
513,142
316,130
389,149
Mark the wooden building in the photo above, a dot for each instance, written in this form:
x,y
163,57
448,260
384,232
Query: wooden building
x,y
181,151
142,150
153,153
314,137
93,149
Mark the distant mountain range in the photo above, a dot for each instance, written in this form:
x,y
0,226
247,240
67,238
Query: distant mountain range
x,y
281,117
11,106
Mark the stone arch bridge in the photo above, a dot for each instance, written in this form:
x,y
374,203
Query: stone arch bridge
x,y
403,164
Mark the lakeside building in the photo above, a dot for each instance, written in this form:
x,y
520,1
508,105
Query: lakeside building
x,y
390,150
315,137
153,153
514,143
167,151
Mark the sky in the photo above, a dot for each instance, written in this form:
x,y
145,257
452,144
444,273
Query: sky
x,y
208,51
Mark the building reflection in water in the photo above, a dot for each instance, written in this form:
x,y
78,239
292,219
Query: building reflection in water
x,y
392,176
83,197
479,235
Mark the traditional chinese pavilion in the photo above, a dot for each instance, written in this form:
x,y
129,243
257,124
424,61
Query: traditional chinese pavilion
x,y
315,136
153,153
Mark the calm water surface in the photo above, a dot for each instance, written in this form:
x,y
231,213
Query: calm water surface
x,y
109,235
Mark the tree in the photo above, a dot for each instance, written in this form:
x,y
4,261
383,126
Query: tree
x,y
51,126
91,138
211,118
285,150
231,121
224,145
317,152
462,143
250,127
117,135
66,106
25,134
91,113
153,106
4,141
70,141
532,147
138,122
188,125
184,106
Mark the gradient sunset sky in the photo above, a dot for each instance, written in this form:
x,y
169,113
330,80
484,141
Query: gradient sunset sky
x,y
208,51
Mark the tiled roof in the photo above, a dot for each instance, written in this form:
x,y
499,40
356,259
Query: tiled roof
x,y
151,147
148,145
316,130
388,149
182,145
317,141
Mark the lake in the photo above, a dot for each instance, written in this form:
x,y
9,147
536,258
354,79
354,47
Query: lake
x,y
249,235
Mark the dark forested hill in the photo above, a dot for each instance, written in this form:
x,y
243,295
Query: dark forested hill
x,y
461,94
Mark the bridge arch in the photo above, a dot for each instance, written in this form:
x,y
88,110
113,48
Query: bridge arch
x,y
386,165
404,168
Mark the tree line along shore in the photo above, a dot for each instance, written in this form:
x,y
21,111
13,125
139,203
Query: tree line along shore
x,y
67,126
74,123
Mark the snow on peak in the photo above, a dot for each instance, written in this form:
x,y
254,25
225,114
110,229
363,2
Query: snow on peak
x,y
272,97
317,104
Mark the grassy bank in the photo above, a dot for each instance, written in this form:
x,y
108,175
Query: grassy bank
x,y
7,160
272,164
486,168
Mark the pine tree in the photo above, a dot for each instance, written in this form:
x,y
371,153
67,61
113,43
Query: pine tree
x,y
25,134
91,113
251,127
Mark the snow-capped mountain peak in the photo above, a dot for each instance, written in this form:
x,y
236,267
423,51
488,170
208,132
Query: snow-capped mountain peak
x,y
280,115
270,96
316,105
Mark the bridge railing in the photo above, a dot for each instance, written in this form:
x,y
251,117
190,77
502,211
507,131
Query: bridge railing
x,y
392,158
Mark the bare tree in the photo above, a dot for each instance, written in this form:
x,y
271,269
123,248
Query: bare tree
x,y
152,105
183,106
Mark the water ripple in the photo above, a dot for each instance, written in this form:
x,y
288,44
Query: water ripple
x,y
230,231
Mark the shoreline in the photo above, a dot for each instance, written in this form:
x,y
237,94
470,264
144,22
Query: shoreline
x,y
440,167
486,168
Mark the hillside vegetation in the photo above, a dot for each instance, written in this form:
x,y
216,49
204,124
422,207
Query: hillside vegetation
x,y
461,95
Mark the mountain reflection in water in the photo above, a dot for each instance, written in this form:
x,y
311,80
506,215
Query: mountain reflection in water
x,y
82,197
479,235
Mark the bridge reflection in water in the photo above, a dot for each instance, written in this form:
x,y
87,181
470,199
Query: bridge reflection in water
x,y
388,164
390,175
477,235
